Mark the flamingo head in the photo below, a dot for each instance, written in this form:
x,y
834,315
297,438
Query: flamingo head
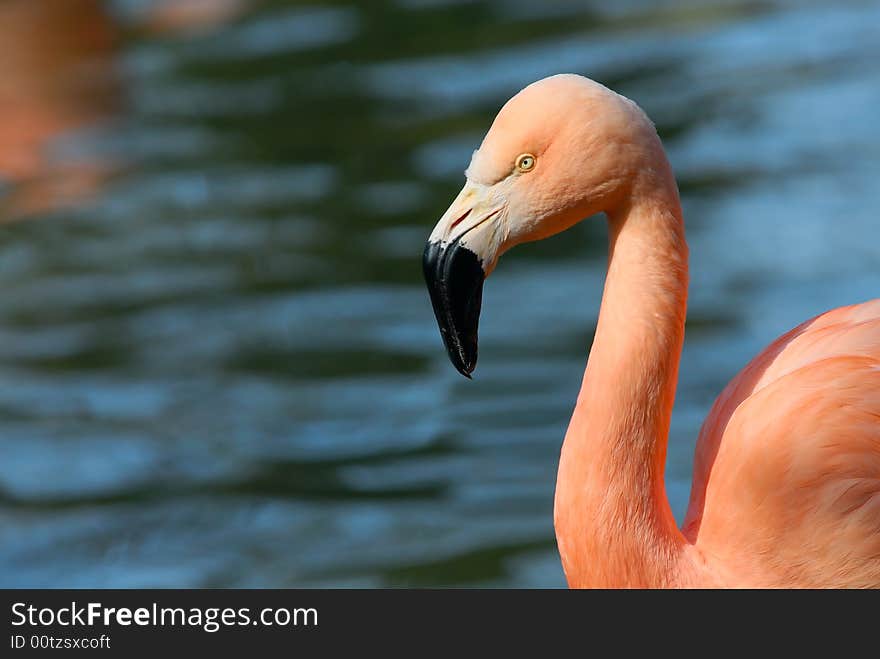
x,y
561,150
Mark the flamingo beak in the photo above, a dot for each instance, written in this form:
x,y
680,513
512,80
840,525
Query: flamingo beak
x,y
455,282
457,259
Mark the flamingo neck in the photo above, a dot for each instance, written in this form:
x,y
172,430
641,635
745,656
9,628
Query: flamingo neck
x,y
613,521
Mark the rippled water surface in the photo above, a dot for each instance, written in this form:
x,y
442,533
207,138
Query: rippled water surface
x,y
218,364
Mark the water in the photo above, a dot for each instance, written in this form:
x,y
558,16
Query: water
x,y
218,364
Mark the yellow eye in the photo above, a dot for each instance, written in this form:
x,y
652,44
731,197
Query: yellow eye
x,y
525,162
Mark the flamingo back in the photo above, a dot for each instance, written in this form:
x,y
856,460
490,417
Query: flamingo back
x,y
787,467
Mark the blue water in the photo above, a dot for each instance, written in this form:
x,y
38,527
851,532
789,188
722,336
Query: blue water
x,y
218,363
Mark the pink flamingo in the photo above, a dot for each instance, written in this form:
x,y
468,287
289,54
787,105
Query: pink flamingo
x,y
786,488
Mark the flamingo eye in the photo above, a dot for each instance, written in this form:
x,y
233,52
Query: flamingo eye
x,y
525,162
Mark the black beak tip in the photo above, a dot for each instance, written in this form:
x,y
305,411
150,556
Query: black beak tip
x,y
454,275
466,369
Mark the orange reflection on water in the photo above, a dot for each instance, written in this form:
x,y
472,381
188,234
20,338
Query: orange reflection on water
x,y
183,15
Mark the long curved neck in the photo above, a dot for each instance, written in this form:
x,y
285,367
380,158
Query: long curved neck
x,y
613,521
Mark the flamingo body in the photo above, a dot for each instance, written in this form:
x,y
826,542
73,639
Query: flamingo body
x,y
787,467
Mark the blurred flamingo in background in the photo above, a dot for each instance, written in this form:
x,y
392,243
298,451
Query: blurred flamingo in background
x,y
786,488
55,78
58,78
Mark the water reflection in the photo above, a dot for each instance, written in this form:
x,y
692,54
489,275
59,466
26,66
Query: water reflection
x,y
223,370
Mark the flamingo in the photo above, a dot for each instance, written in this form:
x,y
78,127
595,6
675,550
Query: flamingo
x,y
786,485
55,78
